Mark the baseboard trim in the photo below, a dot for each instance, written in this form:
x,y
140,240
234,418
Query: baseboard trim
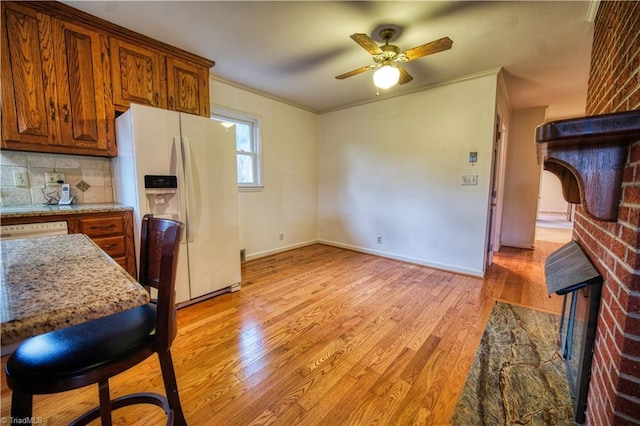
x,y
520,246
447,268
279,250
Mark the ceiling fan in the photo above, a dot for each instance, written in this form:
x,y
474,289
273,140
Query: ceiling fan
x,y
387,56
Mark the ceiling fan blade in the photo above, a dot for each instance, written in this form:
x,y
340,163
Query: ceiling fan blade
x,y
355,72
429,48
405,77
366,43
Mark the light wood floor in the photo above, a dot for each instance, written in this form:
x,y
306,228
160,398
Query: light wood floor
x,y
321,335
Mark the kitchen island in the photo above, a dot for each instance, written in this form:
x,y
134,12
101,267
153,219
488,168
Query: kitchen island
x,y
54,282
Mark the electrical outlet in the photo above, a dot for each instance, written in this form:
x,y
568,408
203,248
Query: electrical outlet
x,y
20,179
379,239
281,236
53,178
469,180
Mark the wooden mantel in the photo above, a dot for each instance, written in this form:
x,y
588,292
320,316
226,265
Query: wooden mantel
x,y
588,154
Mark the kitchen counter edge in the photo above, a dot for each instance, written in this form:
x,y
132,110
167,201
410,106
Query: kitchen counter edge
x,y
52,210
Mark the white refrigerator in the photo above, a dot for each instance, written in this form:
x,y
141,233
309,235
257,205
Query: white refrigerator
x,y
190,165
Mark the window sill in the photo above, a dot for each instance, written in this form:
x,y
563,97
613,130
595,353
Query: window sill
x,y
250,188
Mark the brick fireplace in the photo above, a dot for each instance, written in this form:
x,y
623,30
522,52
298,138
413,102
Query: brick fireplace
x,y
614,247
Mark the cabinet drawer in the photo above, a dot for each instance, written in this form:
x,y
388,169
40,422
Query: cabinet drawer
x,y
113,246
122,261
101,226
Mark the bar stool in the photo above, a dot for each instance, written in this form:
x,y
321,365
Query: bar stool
x,y
94,351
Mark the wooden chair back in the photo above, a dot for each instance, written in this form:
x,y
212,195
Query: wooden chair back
x,y
159,244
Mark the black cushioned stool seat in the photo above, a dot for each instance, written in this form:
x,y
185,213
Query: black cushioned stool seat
x,y
64,353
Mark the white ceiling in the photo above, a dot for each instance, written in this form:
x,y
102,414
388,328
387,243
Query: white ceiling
x,y
293,49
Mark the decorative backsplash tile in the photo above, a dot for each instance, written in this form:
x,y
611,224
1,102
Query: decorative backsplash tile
x,y
83,186
92,174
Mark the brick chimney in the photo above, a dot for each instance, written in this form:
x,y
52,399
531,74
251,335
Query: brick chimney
x,y
614,247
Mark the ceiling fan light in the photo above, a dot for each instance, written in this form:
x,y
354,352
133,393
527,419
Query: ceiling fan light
x,y
386,76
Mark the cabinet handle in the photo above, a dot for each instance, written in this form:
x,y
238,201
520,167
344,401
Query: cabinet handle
x,y
53,110
157,99
171,102
110,226
65,111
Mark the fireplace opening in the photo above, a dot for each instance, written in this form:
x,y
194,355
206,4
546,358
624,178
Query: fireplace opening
x,y
569,272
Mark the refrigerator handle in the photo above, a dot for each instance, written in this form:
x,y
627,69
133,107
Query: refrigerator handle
x,y
191,183
182,211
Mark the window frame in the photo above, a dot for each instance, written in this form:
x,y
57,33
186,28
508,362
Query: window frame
x,y
254,122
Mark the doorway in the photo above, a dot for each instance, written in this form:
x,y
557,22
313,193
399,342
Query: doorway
x,y
554,219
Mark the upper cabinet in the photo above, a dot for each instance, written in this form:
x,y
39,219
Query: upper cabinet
x,y
28,91
138,75
84,110
144,75
53,86
187,87
65,75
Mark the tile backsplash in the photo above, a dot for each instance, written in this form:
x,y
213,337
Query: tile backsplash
x,y
89,177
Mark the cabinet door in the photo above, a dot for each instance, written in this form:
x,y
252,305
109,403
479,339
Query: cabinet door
x,y
187,87
137,74
28,80
81,88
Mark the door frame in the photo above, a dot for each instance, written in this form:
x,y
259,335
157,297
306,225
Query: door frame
x,y
496,191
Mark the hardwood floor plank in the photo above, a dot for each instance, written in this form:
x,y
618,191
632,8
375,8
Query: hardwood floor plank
x,y
322,335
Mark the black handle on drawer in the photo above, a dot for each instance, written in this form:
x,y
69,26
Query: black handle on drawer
x,y
110,226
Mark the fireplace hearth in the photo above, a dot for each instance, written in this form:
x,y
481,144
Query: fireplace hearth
x,y
569,272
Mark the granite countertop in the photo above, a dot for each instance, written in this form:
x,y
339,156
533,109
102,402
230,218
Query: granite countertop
x,y
35,210
53,282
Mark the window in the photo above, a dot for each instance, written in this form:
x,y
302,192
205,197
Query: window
x,y
247,146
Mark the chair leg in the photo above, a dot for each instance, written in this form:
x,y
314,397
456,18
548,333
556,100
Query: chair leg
x,y
171,387
21,407
105,402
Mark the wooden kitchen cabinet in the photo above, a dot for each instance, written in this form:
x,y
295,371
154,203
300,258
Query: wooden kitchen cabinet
x,y
65,73
28,89
53,86
187,87
112,231
138,75
143,75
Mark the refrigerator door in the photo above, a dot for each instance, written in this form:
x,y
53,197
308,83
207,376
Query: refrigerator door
x,y
149,144
212,204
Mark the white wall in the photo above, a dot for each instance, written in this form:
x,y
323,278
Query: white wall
x,y
551,199
522,179
288,203
393,168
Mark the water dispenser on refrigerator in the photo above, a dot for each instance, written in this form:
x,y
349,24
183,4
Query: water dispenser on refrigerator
x,y
161,196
